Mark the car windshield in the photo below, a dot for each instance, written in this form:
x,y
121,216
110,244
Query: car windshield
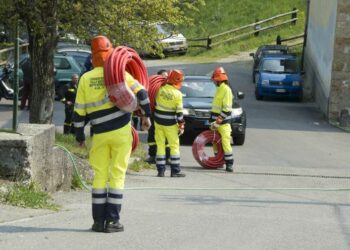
x,y
79,56
288,66
198,88
165,29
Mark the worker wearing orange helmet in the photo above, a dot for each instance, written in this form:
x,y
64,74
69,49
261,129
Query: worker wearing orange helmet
x,y
112,141
220,117
169,123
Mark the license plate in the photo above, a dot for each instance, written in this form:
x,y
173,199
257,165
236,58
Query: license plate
x,y
206,123
280,90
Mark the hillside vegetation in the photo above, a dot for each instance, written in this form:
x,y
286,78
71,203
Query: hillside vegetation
x,y
218,16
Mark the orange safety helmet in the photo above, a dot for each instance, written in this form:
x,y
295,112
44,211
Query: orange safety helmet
x,y
101,47
219,75
175,78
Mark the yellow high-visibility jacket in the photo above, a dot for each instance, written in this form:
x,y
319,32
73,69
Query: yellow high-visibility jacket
x,y
92,103
168,110
222,104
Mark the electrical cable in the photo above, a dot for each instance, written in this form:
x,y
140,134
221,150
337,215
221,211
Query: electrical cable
x,y
135,139
155,82
124,59
75,168
199,154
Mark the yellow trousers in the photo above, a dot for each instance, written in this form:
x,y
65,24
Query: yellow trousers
x,y
169,133
109,157
225,133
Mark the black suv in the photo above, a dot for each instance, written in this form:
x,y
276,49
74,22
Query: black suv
x,y
266,49
198,93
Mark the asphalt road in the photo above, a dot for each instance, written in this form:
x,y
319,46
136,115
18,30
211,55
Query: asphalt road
x,y
281,196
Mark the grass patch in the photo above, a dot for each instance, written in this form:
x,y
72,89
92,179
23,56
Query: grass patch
x,y
69,142
139,156
28,196
220,16
138,165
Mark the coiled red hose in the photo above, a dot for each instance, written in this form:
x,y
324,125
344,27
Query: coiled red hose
x,y
120,60
155,82
199,154
135,139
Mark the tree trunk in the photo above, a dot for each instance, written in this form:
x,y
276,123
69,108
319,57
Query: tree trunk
x,y
42,44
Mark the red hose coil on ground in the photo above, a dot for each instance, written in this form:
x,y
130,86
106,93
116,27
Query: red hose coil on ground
x,y
201,157
120,60
155,82
135,139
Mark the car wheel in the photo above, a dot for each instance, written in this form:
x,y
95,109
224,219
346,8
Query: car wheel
x,y
257,96
238,139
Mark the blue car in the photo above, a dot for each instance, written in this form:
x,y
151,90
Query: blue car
x,y
278,75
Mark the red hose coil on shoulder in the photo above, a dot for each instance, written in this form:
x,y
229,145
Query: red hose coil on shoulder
x,y
135,139
199,154
124,59
155,82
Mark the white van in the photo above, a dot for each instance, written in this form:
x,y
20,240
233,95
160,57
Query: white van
x,y
171,41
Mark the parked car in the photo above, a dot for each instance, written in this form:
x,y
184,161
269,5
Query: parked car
x,y
79,52
65,67
198,93
264,50
279,75
172,41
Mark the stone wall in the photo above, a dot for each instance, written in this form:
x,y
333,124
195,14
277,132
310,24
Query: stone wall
x,y
340,83
30,155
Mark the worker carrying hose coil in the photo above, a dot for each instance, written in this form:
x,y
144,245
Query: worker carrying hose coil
x,y
169,123
220,116
112,141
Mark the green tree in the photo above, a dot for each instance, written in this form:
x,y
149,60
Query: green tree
x,y
123,21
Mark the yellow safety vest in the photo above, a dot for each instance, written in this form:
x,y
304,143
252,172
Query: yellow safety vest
x,y
168,110
222,103
93,104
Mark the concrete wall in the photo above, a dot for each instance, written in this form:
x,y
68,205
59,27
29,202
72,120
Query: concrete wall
x,y
319,51
340,83
327,56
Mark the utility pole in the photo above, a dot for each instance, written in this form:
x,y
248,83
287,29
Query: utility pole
x,y
15,94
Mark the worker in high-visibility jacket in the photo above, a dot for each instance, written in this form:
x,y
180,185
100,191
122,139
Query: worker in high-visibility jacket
x,y
152,146
169,123
112,141
220,117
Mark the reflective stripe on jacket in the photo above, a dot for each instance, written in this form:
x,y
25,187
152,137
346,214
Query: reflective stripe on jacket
x,y
92,102
168,110
222,103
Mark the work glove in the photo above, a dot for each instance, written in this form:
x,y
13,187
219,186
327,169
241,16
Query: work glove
x,y
215,125
145,123
181,128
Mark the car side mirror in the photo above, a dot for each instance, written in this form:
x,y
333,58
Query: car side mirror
x,y
240,95
251,54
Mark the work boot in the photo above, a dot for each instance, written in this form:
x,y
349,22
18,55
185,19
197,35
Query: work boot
x,y
229,168
160,174
151,160
177,175
113,227
98,227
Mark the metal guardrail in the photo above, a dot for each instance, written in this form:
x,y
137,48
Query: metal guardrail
x,y
23,47
256,25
